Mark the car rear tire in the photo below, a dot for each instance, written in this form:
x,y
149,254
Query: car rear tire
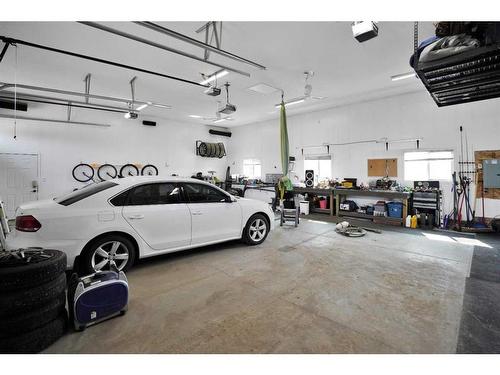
x,y
256,230
102,252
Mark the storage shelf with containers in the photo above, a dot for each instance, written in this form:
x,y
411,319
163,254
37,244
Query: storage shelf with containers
x,y
391,210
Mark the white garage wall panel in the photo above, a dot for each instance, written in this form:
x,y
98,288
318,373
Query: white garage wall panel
x,y
407,116
170,146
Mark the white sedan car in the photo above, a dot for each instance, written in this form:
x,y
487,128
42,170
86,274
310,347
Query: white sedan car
x,y
118,221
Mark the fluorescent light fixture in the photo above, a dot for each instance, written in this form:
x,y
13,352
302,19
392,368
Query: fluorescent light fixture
x,y
399,77
291,102
219,120
195,116
213,77
141,107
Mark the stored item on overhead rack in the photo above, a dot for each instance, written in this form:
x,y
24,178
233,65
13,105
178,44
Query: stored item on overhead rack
x,y
364,30
97,297
219,132
131,115
149,123
213,91
17,106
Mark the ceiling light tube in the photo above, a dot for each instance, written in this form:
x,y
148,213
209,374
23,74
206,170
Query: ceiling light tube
x,y
219,120
141,107
291,102
194,116
213,77
399,77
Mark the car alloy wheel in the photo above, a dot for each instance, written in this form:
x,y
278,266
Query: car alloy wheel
x,y
108,254
257,230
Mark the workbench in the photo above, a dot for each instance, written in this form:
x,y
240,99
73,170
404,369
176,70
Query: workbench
x,y
389,195
328,192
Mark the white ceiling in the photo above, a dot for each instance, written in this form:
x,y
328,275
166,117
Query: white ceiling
x,y
345,71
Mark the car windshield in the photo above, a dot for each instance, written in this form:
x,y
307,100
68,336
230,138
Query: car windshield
x,y
84,192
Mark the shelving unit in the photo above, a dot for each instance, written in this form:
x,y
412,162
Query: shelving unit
x,y
341,194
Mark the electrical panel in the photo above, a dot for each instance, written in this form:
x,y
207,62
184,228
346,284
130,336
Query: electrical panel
x,y
491,173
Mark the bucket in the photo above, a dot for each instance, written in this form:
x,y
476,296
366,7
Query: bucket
x,y
322,204
304,207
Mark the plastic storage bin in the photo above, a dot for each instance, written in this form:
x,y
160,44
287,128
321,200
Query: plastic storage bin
x,y
395,209
304,207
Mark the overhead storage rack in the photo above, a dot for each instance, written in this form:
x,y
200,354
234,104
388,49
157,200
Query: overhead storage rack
x,y
466,77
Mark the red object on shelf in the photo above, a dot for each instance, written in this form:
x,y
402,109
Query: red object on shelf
x,y
322,203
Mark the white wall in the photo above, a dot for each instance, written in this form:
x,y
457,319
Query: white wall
x,y
406,116
169,146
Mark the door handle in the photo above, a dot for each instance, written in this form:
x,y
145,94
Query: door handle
x,y
197,213
135,217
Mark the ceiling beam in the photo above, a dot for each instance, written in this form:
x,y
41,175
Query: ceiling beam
x,y
160,46
195,42
96,59
52,120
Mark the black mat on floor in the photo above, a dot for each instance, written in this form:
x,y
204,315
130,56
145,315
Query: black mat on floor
x,y
480,324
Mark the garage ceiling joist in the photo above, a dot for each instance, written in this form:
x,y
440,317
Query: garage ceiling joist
x,y
4,85
195,42
161,46
13,41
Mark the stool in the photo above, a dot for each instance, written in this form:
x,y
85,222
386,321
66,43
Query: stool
x,y
289,215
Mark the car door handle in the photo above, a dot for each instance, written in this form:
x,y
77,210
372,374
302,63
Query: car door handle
x,y
197,213
135,217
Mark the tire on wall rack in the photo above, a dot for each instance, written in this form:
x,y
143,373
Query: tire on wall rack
x,y
30,267
203,149
107,172
83,172
38,339
130,170
149,170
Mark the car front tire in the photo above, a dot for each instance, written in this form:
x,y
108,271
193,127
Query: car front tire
x,y
105,250
256,230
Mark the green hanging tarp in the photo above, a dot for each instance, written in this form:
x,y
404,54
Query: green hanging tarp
x,y
284,140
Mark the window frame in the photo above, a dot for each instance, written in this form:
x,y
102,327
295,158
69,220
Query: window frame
x,y
253,164
186,194
318,159
428,161
131,188
85,192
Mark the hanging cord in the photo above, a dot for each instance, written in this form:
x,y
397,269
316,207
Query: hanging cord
x,y
15,95
415,46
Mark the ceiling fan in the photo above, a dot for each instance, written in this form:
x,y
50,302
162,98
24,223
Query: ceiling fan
x,y
307,91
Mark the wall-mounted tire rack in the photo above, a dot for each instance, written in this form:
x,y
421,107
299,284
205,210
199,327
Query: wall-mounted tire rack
x,y
210,150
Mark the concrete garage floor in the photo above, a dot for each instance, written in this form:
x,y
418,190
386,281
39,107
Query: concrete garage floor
x,y
304,290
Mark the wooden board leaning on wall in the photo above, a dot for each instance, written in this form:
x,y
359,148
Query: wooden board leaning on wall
x,y
479,156
382,167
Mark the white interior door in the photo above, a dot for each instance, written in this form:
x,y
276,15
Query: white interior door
x,y
18,180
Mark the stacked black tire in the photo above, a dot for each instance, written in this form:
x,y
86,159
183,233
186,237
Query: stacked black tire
x,y
32,299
